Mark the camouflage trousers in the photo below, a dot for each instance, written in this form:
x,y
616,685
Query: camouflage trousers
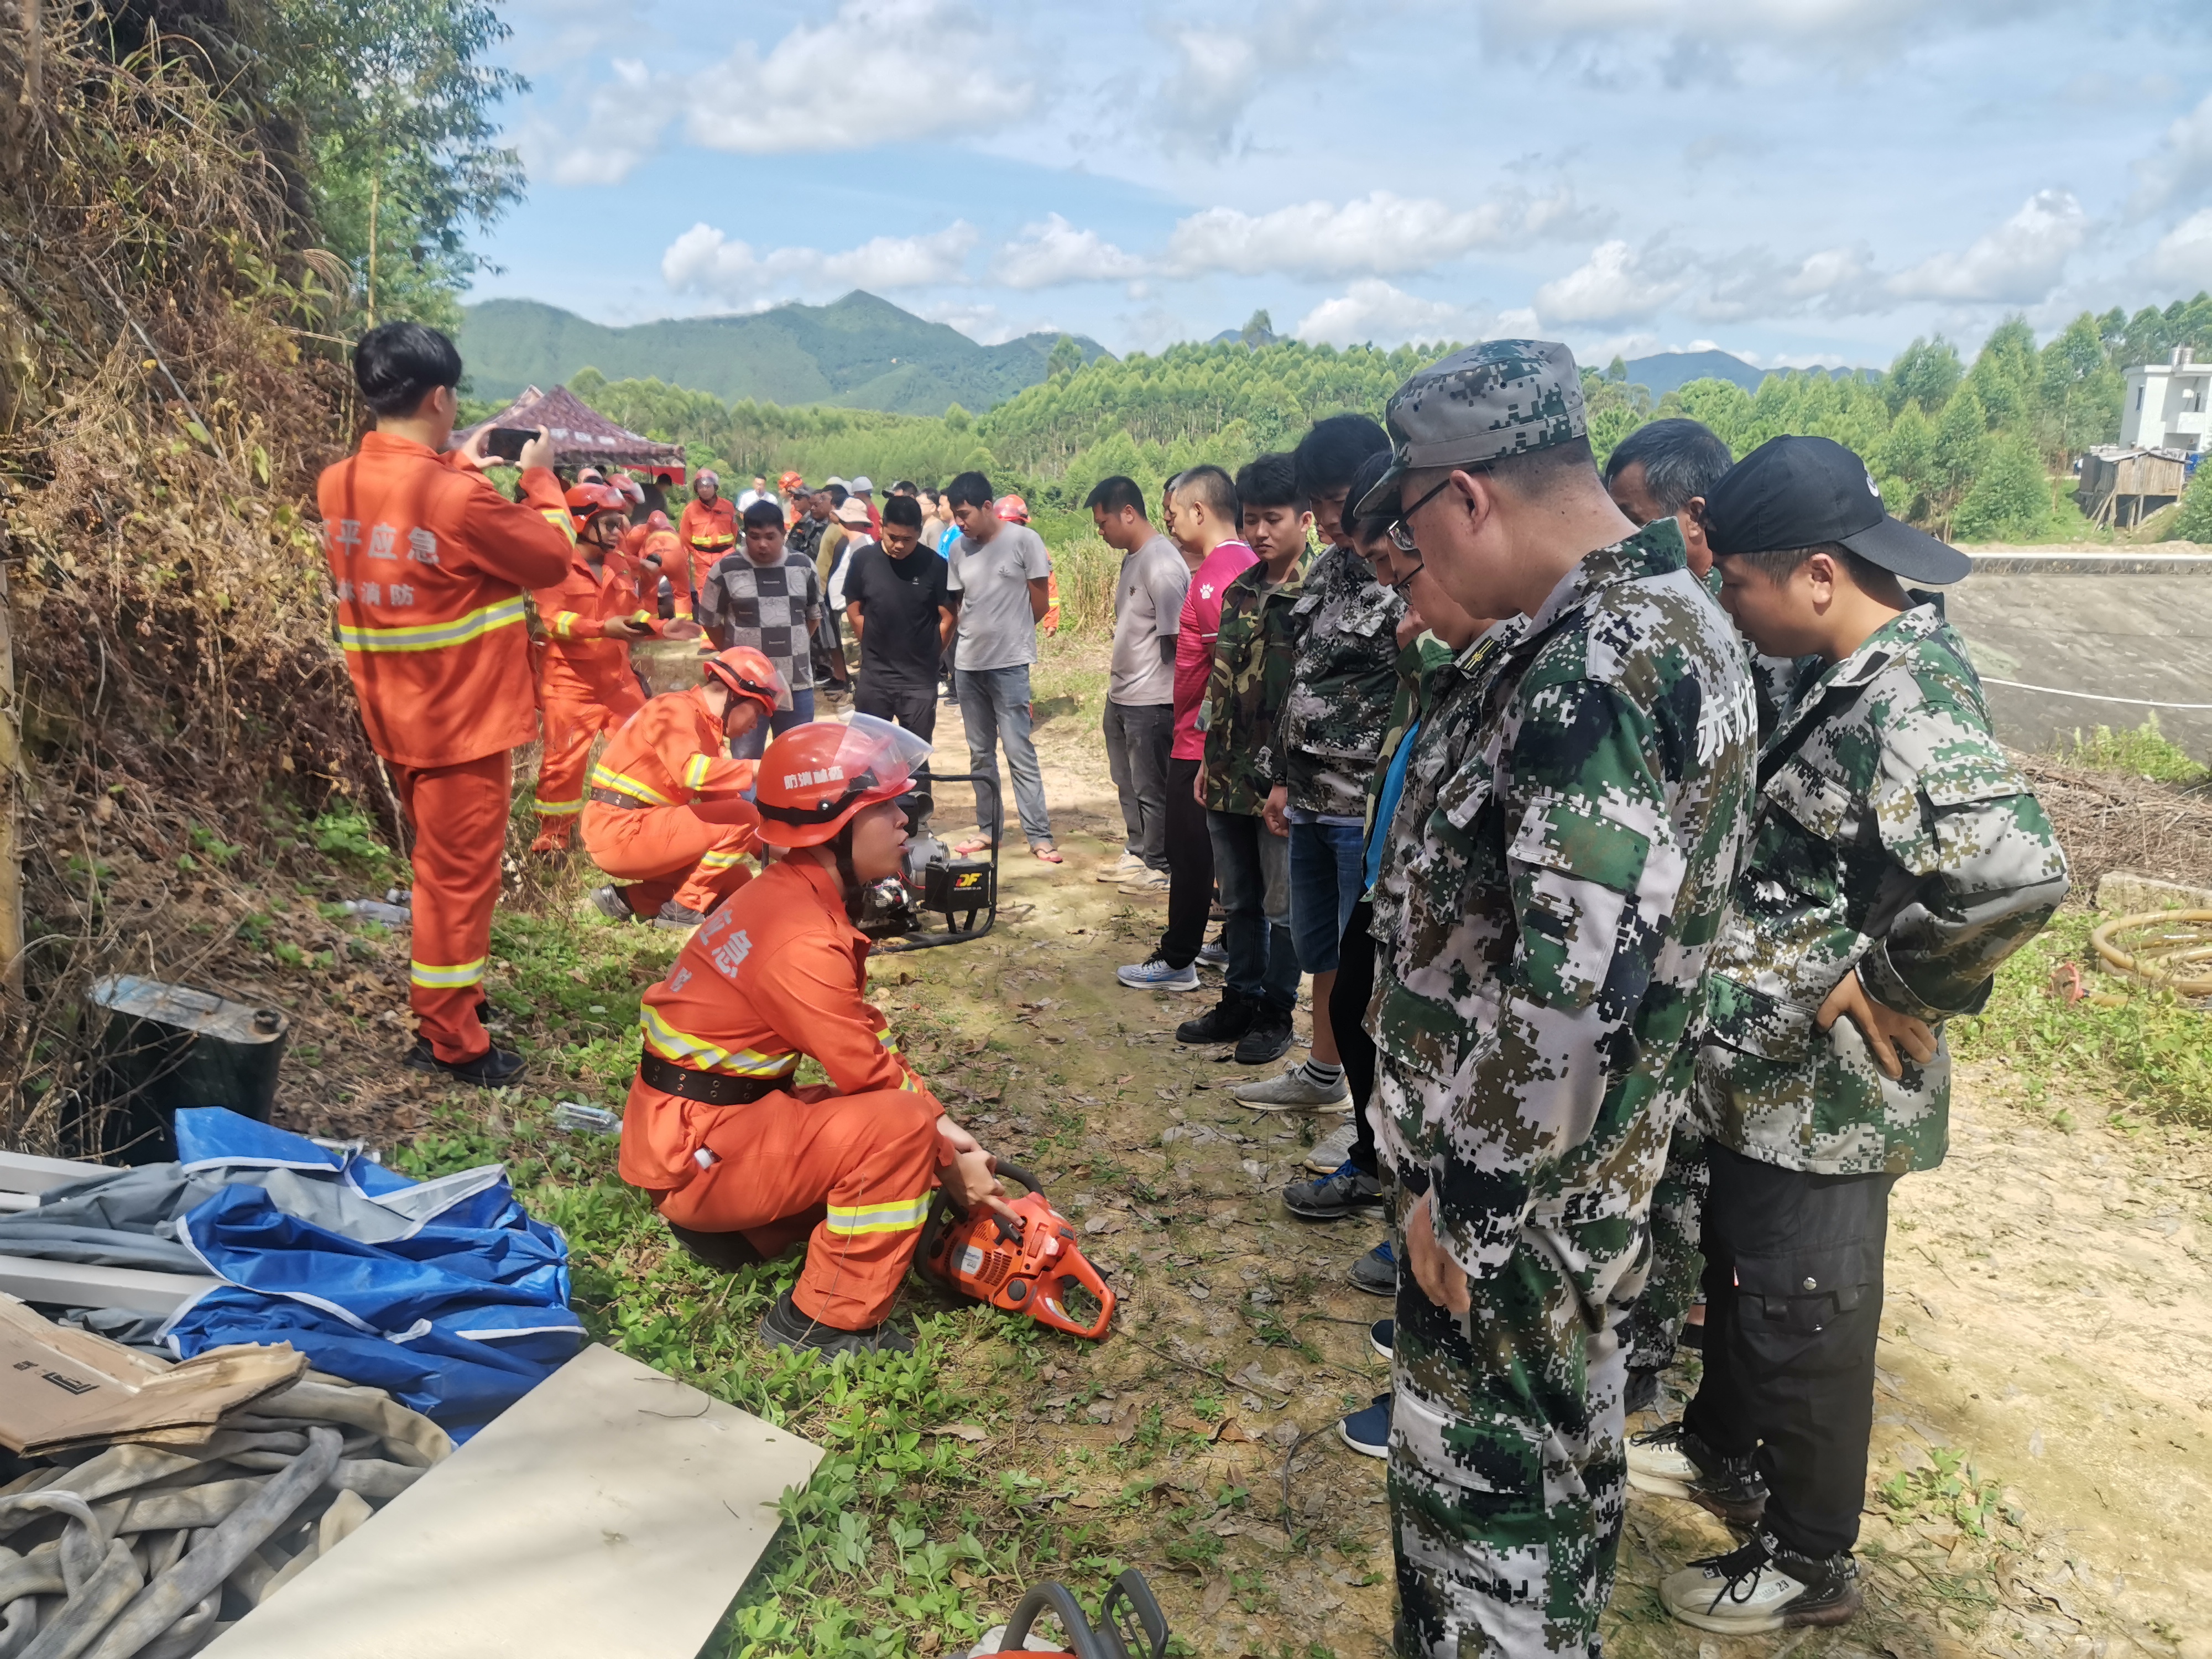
x,y
1678,1207
1507,1468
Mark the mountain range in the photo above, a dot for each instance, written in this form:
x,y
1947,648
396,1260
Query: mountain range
x,y
1665,371
861,352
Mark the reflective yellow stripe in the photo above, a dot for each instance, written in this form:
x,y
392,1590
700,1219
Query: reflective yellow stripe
x,y
604,778
566,621
432,976
695,770
903,1216
434,637
559,516
555,809
682,1048
720,860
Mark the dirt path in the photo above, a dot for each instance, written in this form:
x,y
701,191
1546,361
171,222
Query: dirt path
x,y
2042,1467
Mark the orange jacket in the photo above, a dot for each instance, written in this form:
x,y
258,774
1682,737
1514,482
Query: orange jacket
x,y
580,660
429,563
710,533
670,753
774,975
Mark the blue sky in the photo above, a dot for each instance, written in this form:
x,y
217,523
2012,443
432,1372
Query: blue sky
x,y
1794,180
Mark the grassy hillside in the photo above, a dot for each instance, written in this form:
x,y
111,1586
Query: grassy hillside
x,y
860,352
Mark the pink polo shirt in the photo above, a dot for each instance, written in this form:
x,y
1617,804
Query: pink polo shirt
x,y
1201,622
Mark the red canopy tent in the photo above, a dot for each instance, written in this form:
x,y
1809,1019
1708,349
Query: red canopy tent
x,y
584,437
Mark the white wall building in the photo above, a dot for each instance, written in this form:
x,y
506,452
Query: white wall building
x,y
2169,405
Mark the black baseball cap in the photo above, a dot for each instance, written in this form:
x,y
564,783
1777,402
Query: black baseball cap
x,y
1798,492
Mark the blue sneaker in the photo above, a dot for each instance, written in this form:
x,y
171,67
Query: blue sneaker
x,y
1157,976
1348,1191
1379,1335
1377,1273
1213,954
1368,1432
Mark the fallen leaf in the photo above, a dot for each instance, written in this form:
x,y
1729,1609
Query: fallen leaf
x,y
580,976
967,1431
1232,1431
1088,1500
1106,1221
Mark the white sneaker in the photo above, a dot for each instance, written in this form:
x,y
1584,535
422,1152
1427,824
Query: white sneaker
x,y
1157,976
1122,869
1658,1464
1331,1151
1293,1092
1213,954
1761,1587
1147,883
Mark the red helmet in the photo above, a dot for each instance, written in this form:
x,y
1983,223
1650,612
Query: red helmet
x,y
749,673
815,777
1013,509
587,500
791,481
658,520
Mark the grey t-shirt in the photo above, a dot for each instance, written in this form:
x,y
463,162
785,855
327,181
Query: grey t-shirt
x,y
1147,609
993,580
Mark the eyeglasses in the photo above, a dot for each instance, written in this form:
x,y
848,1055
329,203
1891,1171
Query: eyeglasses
x,y
1401,531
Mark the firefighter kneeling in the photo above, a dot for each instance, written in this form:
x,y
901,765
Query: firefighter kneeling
x,y
667,811
739,1163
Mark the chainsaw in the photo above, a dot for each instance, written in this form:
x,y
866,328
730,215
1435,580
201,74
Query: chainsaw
x,y
1130,1623
1025,1267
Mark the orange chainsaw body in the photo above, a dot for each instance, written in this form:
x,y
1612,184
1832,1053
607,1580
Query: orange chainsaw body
x,y
1028,1271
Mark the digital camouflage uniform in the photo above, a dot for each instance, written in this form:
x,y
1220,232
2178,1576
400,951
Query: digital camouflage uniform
x,y
1343,630
1560,863
1419,663
1892,838
1247,688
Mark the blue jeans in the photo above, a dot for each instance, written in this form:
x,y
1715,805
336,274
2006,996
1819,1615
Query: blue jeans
x,y
1252,868
1327,878
751,745
994,706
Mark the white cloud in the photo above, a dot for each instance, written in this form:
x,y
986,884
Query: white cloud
x,y
1053,251
1616,283
2181,168
1379,234
843,84
1372,311
1218,68
704,261
2183,254
983,323
1854,29
2018,263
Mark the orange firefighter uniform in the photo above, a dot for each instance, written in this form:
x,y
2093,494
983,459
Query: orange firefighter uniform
x,y
640,821
429,563
709,530
773,976
586,685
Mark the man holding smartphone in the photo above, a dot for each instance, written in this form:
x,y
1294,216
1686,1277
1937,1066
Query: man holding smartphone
x,y
429,564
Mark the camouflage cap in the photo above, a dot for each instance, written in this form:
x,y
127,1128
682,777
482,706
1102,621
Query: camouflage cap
x,y
1502,397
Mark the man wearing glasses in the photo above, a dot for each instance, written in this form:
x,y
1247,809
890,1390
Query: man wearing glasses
x,y
1550,915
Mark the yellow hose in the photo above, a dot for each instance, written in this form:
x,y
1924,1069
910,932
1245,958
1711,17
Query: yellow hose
x,y
2153,961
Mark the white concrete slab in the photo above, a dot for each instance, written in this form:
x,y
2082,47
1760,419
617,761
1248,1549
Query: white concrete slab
x,y
78,1285
21,1172
611,1513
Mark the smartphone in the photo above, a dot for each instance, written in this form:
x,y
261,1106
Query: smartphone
x,y
507,441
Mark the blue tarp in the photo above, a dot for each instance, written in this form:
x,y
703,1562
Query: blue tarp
x,y
446,1293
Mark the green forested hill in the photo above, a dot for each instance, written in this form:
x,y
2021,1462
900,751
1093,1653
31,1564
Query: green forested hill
x,y
861,353
1982,450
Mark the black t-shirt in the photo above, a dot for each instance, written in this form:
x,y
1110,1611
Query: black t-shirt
x,y
898,600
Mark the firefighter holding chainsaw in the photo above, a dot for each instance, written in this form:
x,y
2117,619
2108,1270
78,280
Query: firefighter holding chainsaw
x,y
738,1161
667,811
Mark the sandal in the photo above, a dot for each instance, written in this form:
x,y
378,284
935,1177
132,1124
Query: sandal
x,y
969,849
1046,852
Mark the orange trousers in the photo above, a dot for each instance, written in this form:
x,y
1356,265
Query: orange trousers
x,y
572,720
459,815
667,852
852,1173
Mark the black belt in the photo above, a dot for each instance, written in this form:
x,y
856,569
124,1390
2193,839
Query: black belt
x,y
609,798
708,1088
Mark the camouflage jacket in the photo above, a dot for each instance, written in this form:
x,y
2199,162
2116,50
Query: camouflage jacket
x,y
1343,668
1246,690
1556,899
1892,836
1422,659
1771,677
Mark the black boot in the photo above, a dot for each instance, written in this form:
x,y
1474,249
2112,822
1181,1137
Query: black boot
x,y
1268,1037
785,1326
1226,1021
723,1252
494,1069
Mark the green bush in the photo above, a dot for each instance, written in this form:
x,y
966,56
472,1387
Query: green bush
x,y
2010,498
2194,522
2145,752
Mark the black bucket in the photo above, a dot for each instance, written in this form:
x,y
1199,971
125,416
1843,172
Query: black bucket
x,y
169,1046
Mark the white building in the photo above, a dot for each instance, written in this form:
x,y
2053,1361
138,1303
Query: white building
x,y
2169,405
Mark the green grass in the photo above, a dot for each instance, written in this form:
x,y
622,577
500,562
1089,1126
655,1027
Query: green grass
x,y
2151,1054
2145,751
